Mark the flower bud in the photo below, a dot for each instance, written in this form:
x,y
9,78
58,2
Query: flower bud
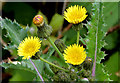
x,y
54,69
38,20
84,73
60,45
44,30
73,75
63,76
87,64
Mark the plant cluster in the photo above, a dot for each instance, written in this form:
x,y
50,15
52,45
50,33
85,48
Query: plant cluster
x,y
74,62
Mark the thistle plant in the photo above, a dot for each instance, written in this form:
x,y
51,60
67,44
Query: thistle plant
x,y
75,15
75,62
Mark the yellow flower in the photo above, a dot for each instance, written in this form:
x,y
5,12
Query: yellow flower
x,y
29,47
74,54
75,14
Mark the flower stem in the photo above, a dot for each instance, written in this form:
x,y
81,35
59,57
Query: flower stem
x,y
51,42
60,54
37,70
53,64
78,33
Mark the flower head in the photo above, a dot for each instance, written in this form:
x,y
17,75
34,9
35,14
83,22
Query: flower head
x,y
74,54
38,20
29,47
75,14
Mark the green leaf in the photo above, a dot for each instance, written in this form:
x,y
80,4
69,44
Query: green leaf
x,y
48,70
70,37
14,31
56,22
111,40
112,66
95,40
101,74
110,14
17,65
96,33
61,63
21,75
24,65
45,42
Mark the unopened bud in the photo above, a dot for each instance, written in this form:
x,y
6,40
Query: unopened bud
x,y
63,76
88,63
60,45
38,20
44,30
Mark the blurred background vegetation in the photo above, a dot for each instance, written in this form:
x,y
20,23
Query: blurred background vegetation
x,y
23,13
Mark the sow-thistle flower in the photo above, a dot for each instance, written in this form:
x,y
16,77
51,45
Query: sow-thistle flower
x,y
75,14
75,54
28,47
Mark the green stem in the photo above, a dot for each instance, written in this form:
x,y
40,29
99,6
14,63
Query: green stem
x,y
78,33
53,64
60,54
51,42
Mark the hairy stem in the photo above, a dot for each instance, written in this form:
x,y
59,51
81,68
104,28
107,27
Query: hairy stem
x,y
94,64
53,64
60,54
37,71
51,42
78,33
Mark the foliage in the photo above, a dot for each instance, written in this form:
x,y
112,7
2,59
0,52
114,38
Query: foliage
x,y
112,62
92,35
14,31
95,40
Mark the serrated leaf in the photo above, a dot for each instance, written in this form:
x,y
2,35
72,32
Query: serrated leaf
x,y
24,65
101,74
56,22
20,66
95,40
96,33
15,32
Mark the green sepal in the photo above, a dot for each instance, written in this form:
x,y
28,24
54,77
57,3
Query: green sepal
x,y
77,27
44,31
